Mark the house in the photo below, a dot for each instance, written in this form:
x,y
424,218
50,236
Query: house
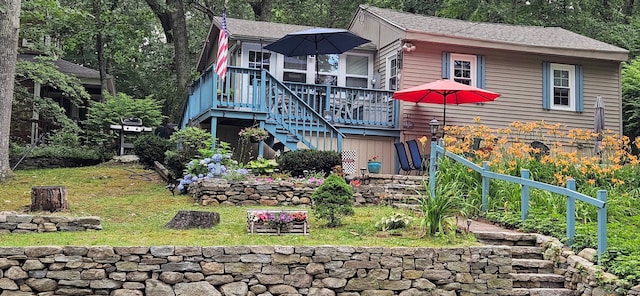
x,y
543,73
90,79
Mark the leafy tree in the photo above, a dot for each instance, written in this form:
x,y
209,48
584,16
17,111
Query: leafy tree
x,y
631,99
9,24
332,200
103,114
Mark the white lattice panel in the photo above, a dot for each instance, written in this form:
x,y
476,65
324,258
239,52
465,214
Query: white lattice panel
x,y
349,162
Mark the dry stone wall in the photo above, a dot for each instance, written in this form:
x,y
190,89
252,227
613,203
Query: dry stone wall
x,y
254,270
377,189
12,222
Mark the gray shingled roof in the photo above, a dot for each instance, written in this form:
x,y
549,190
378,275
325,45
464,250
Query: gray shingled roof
x,y
67,67
552,37
243,29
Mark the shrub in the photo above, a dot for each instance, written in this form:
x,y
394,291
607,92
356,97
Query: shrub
x,y
186,145
262,166
395,221
439,211
332,200
298,161
150,148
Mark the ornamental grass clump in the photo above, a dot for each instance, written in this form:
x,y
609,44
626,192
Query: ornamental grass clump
x,y
332,200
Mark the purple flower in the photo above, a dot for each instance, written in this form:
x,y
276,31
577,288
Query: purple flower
x,y
217,157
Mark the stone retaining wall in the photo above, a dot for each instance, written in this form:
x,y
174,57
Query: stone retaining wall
x,y
255,270
378,189
11,222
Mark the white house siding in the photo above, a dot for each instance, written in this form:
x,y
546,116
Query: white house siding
x,y
518,78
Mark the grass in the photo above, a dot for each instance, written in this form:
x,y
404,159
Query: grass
x,y
134,207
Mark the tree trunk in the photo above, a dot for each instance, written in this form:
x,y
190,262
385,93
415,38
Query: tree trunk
x,y
49,198
181,58
9,26
194,219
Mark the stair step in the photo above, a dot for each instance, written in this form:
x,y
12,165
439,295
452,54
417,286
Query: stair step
x,y
527,252
537,280
542,292
507,238
532,266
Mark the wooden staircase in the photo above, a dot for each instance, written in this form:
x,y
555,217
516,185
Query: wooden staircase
x,y
532,274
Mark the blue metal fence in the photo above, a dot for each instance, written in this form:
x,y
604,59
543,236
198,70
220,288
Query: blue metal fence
x,y
600,202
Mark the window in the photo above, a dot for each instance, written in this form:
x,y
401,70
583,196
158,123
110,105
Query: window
x,y
464,68
295,69
258,60
328,69
357,71
562,87
392,72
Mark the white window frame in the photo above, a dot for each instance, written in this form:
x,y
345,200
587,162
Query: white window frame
x,y
572,87
387,74
473,61
342,68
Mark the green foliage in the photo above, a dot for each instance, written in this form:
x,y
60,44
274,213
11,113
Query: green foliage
x,y
188,144
332,200
631,99
394,221
59,152
262,166
103,114
150,148
439,212
298,161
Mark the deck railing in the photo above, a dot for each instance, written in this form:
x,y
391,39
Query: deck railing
x,y
569,192
242,91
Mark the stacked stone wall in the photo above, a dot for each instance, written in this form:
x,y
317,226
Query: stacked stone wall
x,y
12,222
375,189
255,270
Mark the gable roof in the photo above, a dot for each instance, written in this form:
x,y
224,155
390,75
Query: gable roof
x,y
66,67
494,35
250,30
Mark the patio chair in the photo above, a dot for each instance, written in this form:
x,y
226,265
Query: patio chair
x,y
402,158
541,149
416,157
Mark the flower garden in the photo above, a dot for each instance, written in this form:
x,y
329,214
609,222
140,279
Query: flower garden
x,y
613,168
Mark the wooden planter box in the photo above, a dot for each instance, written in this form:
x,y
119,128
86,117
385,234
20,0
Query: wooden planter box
x,y
293,227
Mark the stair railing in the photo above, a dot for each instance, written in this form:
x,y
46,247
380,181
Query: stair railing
x,y
570,192
287,110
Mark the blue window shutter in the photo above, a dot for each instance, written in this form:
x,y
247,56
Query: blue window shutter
x,y
446,59
546,86
579,89
480,80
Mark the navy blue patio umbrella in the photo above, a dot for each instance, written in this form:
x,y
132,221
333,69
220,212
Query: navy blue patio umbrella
x,y
316,41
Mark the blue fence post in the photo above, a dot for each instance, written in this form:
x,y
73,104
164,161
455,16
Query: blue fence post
x,y
485,188
524,196
263,90
432,169
602,224
571,213
214,89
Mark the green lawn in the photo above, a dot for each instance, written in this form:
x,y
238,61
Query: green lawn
x,y
134,209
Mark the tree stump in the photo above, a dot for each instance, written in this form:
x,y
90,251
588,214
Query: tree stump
x,y
193,219
49,198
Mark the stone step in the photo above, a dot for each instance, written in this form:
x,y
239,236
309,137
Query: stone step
x,y
542,292
537,280
532,266
527,252
506,238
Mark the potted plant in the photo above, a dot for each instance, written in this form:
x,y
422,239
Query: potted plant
x,y
254,134
374,165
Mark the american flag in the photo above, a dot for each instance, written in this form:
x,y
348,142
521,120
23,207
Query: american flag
x,y
223,48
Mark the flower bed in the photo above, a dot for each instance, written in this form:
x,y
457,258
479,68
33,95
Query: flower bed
x,y
277,222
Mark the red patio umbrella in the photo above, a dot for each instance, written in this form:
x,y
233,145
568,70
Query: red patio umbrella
x,y
445,92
